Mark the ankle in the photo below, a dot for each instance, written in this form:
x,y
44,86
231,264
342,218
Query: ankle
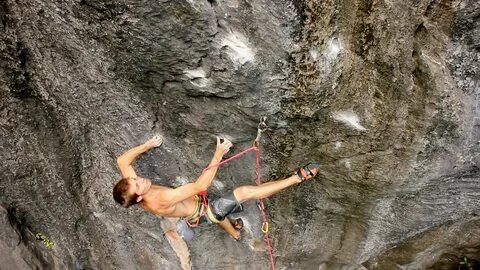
x,y
297,178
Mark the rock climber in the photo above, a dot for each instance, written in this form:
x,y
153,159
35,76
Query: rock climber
x,y
183,201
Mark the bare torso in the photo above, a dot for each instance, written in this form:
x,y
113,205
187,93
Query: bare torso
x,y
155,204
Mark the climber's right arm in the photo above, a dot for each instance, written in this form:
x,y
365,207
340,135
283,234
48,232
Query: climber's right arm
x,y
204,180
125,160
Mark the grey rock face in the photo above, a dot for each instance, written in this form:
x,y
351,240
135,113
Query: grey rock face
x,y
384,94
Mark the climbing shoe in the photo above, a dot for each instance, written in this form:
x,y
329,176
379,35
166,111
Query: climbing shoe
x,y
308,171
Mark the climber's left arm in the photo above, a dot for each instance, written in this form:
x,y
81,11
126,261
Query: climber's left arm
x,y
125,160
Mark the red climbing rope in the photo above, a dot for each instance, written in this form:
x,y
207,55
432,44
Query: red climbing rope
x,y
203,194
261,127
260,201
262,210
231,158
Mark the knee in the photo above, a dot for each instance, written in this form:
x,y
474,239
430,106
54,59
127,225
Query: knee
x,y
242,193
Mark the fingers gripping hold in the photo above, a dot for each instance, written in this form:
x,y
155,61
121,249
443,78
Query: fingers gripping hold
x,y
227,144
223,145
155,141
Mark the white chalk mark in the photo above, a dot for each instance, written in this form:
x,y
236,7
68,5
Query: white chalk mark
x,y
333,49
218,184
314,54
328,56
240,52
201,82
195,73
431,59
197,77
349,118
338,145
347,164
182,180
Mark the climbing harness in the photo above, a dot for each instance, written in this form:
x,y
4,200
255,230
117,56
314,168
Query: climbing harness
x,y
203,194
203,208
262,126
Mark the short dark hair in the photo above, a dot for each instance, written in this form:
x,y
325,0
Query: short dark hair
x,y
121,195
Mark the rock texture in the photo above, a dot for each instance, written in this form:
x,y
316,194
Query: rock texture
x,y
384,94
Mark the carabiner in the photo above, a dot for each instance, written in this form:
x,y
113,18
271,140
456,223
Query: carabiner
x,y
265,227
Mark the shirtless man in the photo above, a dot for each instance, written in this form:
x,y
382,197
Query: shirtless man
x,y
183,201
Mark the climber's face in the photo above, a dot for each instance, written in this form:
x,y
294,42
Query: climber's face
x,y
139,185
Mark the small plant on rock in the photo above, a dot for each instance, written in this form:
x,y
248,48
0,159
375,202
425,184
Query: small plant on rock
x,y
466,264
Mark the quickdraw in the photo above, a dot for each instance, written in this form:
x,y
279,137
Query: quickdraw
x,y
262,126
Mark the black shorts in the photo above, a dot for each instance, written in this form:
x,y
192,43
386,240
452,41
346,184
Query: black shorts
x,y
219,208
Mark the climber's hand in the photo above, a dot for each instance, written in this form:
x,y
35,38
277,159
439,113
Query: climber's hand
x,y
223,146
155,141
